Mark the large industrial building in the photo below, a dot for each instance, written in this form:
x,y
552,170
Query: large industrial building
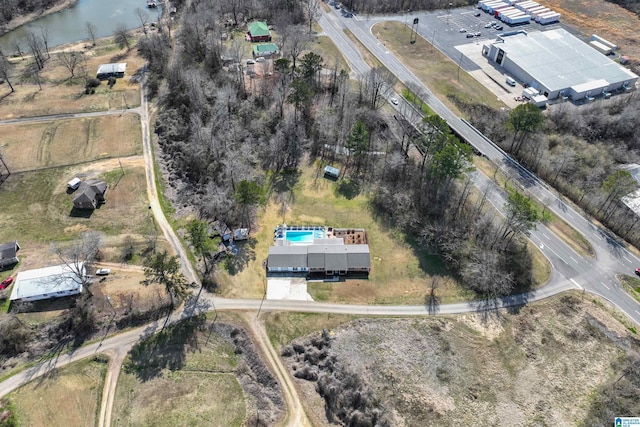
x,y
558,64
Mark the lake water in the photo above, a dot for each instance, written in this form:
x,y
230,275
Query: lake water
x,y
69,25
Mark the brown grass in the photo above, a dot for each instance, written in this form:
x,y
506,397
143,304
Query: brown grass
x,y
59,94
32,146
438,72
605,19
67,397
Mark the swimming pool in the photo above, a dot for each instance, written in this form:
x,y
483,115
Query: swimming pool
x,y
303,236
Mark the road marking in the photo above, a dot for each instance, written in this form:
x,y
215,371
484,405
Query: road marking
x,y
605,286
548,238
579,287
628,260
573,259
637,311
569,215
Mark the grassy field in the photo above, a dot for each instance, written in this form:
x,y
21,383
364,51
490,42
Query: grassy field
x,y
400,270
189,381
67,397
631,285
282,328
36,209
562,229
434,69
323,46
60,94
38,145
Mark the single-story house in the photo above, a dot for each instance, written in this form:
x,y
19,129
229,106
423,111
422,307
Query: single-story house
x,y
90,195
9,253
322,256
49,282
265,50
111,70
259,32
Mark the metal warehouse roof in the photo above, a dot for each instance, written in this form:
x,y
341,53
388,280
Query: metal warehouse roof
x,y
558,60
48,280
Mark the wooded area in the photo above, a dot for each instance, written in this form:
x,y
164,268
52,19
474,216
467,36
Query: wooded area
x,y
10,9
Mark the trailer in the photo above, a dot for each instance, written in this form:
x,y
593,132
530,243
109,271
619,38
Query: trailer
x,y
542,11
505,16
518,19
507,11
488,5
549,18
526,4
535,10
604,42
600,47
496,12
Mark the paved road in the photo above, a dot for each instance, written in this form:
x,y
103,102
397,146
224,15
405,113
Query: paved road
x,y
597,276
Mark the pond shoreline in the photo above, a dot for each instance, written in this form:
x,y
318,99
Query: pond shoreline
x,y
33,16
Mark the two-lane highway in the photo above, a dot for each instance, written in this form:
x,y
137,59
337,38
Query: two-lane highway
x,y
571,270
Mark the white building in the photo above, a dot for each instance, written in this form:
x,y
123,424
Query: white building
x,y
558,64
49,282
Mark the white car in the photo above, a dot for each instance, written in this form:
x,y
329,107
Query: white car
x,y
103,272
394,101
488,25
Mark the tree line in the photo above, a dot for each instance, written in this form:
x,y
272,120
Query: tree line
x,y
11,9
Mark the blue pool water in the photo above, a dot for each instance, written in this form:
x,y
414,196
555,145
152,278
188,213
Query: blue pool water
x,y
303,236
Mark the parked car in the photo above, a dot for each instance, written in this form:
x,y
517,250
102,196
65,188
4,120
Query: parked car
x,y
250,62
477,34
488,25
477,14
637,272
462,30
499,27
103,272
394,101
260,59
6,282
469,35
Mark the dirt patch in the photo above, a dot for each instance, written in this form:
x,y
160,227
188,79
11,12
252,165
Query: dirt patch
x,y
33,146
544,365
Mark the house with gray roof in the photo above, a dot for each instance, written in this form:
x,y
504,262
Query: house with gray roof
x,y
9,254
90,194
333,258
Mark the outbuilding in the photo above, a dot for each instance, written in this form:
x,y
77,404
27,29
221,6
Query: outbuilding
x,y
331,172
49,282
9,254
111,70
265,50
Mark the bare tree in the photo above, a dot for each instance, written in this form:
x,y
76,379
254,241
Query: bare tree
x,y
142,16
18,49
121,37
5,70
377,86
70,61
44,36
80,255
294,41
312,7
36,46
91,32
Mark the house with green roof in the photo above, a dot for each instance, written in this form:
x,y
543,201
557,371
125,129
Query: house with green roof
x,y
258,32
265,50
